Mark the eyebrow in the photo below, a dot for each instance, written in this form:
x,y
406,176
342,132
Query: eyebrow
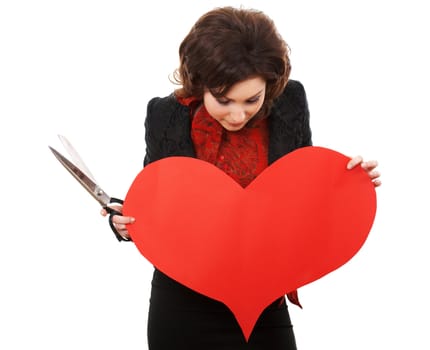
x,y
249,98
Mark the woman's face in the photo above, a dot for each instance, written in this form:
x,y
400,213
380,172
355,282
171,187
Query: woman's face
x,y
239,105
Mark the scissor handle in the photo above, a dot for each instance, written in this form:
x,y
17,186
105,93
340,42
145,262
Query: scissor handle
x,y
112,212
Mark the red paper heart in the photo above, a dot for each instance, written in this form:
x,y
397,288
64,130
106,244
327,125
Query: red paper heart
x,y
300,219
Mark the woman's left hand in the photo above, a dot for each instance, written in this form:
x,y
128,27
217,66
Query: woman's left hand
x,y
368,166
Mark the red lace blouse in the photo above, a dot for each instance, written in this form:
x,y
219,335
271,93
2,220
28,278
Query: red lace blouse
x,y
242,154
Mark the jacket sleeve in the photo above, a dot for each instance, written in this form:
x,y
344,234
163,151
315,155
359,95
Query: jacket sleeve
x,y
152,137
299,105
289,124
306,138
167,129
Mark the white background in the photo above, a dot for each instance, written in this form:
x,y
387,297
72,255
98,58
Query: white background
x,y
87,68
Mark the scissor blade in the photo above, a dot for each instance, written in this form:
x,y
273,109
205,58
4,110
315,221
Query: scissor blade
x,y
76,158
83,179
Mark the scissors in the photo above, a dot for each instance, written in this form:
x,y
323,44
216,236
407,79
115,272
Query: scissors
x,y
83,175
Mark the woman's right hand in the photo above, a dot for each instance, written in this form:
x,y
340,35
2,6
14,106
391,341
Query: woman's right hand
x,y
120,222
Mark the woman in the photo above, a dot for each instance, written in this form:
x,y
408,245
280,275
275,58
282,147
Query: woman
x,y
235,107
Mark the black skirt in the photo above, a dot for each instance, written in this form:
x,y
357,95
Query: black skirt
x,y
180,318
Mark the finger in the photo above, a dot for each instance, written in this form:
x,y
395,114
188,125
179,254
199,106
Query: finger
x,y
120,223
124,234
120,227
122,220
116,207
122,231
374,174
377,183
354,162
369,165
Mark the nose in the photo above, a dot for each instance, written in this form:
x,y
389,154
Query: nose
x,y
238,115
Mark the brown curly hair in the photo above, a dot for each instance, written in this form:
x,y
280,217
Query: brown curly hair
x,y
228,45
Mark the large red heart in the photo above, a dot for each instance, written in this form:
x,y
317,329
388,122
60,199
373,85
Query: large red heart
x,y
300,219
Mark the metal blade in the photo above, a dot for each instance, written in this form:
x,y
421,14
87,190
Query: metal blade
x,y
76,158
83,179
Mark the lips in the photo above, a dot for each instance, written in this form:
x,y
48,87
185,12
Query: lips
x,y
236,126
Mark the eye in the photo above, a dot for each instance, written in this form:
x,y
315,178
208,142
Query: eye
x,y
253,100
223,102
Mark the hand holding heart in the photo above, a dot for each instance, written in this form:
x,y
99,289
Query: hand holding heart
x,y
303,217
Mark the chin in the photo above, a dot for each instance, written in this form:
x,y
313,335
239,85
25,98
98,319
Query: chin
x,y
234,128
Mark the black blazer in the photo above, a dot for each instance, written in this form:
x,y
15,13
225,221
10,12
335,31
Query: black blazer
x,y
168,126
